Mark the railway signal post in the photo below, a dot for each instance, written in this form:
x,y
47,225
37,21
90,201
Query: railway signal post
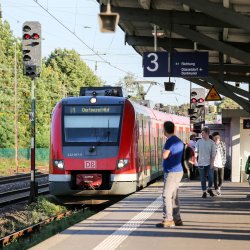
x,y
197,109
31,45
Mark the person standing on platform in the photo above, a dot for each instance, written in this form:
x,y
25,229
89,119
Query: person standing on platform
x,y
191,163
173,172
205,152
192,141
219,162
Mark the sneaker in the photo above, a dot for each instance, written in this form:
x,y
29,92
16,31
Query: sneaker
x,y
204,195
166,224
218,193
178,222
210,192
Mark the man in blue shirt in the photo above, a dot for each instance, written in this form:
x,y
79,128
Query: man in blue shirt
x,y
173,172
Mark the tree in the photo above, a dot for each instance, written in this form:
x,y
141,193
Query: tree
x,y
7,48
131,86
63,73
228,103
72,70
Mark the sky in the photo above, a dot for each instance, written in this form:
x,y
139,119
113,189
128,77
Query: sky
x,y
74,25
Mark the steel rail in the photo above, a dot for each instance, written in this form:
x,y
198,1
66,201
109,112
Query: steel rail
x,y
31,229
23,196
21,177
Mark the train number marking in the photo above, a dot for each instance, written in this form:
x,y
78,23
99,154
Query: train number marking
x,y
90,164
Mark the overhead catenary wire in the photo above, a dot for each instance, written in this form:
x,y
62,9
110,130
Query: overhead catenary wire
x,y
102,59
74,34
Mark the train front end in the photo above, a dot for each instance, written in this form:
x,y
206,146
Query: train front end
x,y
85,150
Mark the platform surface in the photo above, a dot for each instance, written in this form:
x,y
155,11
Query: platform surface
x,y
214,223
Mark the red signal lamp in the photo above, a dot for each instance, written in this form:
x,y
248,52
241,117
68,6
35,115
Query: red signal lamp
x,y
26,36
193,100
35,36
201,100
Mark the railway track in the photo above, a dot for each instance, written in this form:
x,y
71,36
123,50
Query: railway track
x,y
19,177
36,228
23,194
19,189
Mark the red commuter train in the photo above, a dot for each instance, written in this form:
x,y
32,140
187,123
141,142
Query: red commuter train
x,y
104,144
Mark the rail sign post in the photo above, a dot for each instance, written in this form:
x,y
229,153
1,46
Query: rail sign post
x,y
155,64
189,64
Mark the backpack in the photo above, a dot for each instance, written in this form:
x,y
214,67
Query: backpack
x,y
186,157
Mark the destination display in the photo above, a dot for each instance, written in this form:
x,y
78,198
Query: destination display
x,y
189,64
92,109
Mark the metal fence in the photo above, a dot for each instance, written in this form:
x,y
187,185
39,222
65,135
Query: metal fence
x,y
42,154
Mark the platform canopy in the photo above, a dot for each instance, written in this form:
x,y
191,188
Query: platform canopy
x,y
220,27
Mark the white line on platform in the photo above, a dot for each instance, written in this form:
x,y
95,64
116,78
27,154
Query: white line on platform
x,y
117,237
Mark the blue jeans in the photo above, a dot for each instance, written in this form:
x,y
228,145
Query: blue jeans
x,y
205,172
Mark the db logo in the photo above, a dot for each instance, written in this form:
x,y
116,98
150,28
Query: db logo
x,y
90,164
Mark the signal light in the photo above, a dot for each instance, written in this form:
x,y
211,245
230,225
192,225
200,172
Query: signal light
x,y
197,128
30,71
35,36
197,104
31,43
193,100
26,58
26,36
26,51
26,28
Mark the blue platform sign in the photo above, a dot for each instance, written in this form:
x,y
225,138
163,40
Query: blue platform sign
x,y
155,64
189,64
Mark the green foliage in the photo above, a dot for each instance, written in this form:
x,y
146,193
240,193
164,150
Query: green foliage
x,y
63,73
32,214
72,70
128,83
44,208
228,103
49,230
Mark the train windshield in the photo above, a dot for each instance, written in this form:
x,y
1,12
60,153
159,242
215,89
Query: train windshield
x,y
92,124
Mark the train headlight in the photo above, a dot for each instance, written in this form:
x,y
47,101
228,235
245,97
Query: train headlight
x,y
59,164
122,163
92,100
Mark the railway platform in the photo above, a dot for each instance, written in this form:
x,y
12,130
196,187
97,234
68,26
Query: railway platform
x,y
217,223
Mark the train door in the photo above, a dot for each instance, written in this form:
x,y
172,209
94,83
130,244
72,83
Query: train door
x,y
157,152
150,146
137,155
144,153
153,149
140,150
147,150
160,145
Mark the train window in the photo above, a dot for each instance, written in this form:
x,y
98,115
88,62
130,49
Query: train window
x,y
89,128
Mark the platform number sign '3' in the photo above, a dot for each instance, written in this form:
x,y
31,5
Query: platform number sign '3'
x,y
155,64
